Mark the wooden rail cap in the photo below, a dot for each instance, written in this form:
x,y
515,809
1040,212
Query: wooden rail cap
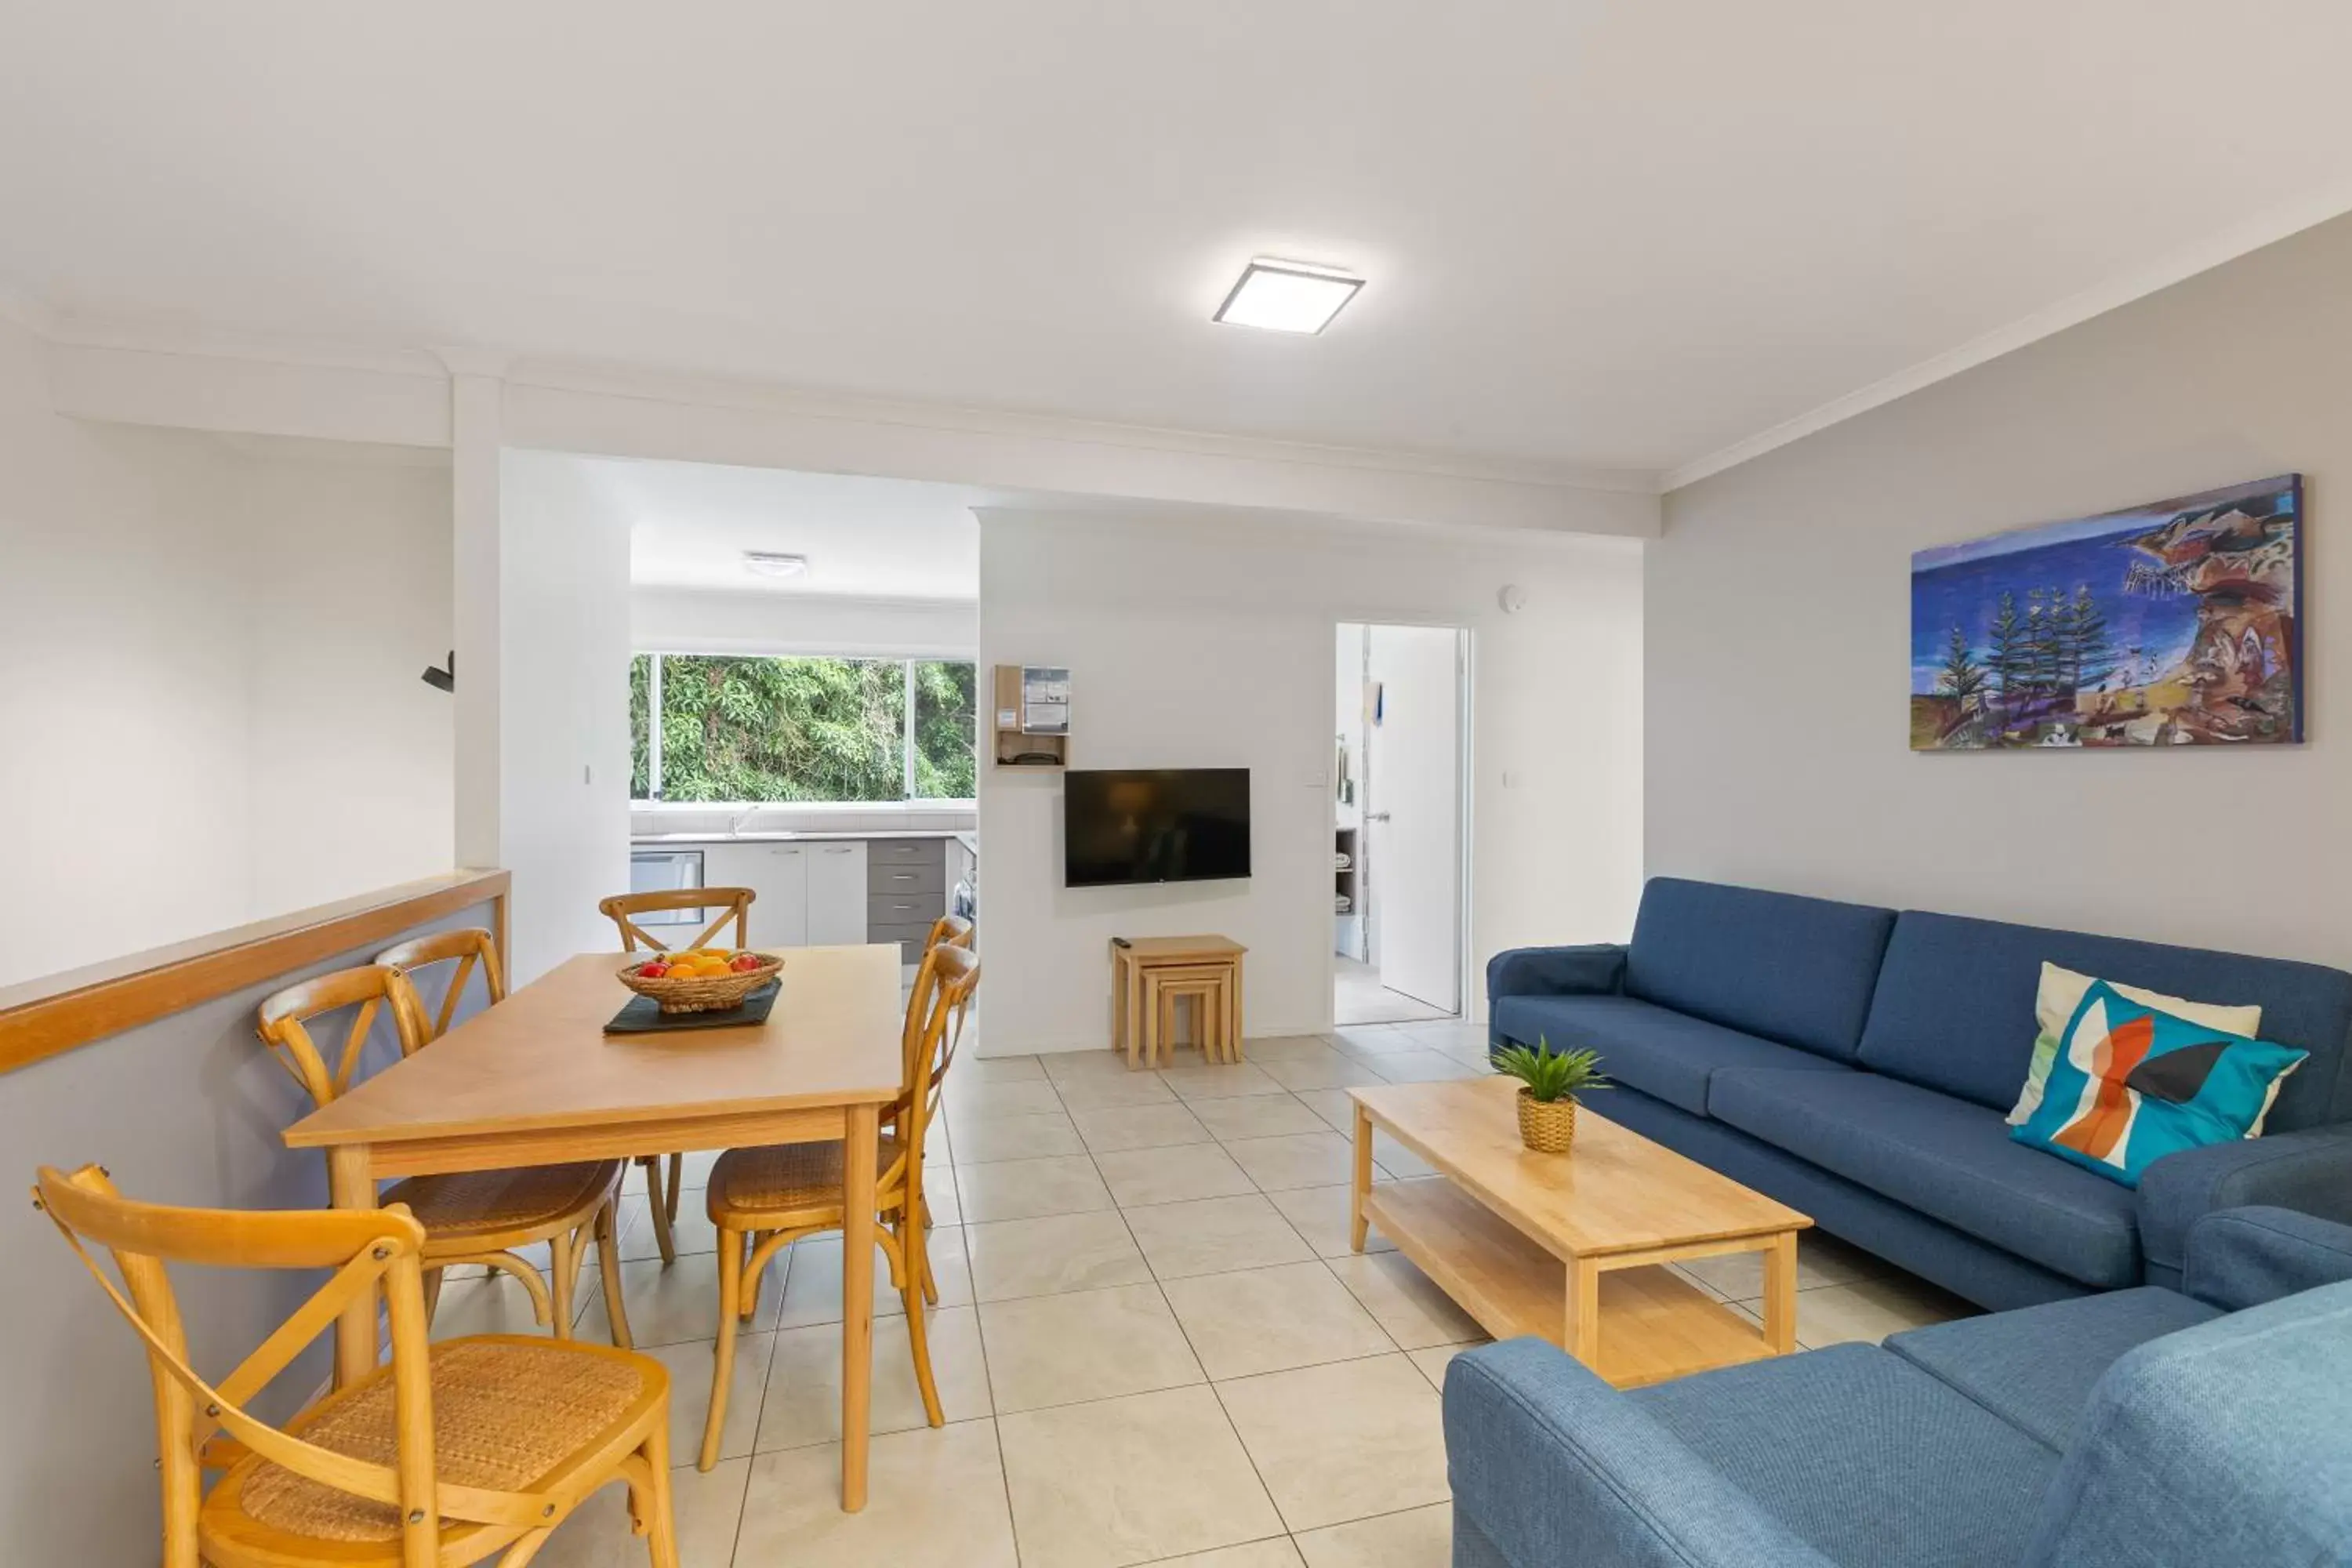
x,y
43,1017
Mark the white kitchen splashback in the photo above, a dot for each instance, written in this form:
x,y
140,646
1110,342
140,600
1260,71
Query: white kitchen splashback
x,y
919,817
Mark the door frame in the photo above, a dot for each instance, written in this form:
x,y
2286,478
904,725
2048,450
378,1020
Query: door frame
x,y
1465,665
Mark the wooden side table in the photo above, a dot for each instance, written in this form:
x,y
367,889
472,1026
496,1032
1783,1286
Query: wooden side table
x,y
1134,1029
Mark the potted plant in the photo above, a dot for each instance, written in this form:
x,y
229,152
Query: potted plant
x,y
1549,1082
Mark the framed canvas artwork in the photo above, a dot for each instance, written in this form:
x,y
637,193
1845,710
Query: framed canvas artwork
x,y
2174,624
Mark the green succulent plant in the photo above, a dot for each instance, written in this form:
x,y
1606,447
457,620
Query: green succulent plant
x,y
1551,1075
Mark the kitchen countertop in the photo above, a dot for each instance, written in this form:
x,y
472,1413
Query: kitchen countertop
x,y
968,835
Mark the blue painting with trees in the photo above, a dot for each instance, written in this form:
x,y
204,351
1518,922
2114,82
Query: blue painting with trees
x,y
2174,624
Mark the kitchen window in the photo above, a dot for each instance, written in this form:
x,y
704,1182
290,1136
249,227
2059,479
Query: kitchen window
x,y
765,729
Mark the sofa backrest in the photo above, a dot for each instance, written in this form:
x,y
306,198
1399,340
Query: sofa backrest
x,y
1954,1009
2226,1442
1796,970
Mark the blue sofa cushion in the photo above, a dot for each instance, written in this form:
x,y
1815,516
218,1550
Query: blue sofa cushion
x,y
1948,1159
1799,971
2222,1444
2244,1257
1863,1455
2035,1367
1954,1008
1663,1053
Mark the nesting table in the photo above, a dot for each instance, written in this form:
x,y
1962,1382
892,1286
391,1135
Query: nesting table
x,y
1148,973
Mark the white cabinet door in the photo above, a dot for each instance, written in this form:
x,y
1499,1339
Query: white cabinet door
x,y
781,917
837,893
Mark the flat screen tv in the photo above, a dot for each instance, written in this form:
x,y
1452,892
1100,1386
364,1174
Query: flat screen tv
x,y
1154,824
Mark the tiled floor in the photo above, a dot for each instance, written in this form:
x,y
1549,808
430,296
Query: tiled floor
x,y
1358,997
1153,1341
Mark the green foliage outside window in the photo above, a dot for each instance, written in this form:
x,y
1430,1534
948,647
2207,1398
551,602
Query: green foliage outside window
x,y
800,729
946,767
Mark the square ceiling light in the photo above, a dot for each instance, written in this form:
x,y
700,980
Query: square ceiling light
x,y
1287,295
775,563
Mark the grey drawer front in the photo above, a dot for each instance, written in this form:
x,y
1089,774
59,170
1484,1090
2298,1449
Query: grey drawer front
x,y
910,939
904,910
906,854
885,877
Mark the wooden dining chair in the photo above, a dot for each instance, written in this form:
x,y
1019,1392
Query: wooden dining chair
x,y
664,1173
733,903
449,1454
475,1217
953,929
470,948
763,1199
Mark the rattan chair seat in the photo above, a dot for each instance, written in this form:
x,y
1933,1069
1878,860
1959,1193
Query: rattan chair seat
x,y
507,1413
475,1204
787,1187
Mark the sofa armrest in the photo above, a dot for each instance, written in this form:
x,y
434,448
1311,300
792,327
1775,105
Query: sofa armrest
x,y
2310,1171
1595,969
1555,1466
2242,1258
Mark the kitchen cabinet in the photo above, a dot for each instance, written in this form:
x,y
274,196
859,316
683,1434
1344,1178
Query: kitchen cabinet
x,y
810,893
837,893
778,874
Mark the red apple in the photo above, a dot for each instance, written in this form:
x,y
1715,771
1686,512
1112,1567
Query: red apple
x,y
745,962
652,971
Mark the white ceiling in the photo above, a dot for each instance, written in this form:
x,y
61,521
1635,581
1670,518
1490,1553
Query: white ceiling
x,y
1598,232
875,539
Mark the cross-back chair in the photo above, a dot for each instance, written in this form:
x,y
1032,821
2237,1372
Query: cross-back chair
x,y
733,904
475,1217
448,1454
471,948
951,929
664,1175
763,1199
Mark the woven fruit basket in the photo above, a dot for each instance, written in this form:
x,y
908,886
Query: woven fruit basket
x,y
700,992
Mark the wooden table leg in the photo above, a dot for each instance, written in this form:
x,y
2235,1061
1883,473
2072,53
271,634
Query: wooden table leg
x,y
350,1184
1582,1336
1362,1180
856,1299
1118,1036
1780,1293
1237,1006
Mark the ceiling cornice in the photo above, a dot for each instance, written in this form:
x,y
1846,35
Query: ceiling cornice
x,y
2178,265
768,397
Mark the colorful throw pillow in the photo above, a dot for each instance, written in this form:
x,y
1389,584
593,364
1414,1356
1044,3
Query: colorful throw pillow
x,y
2062,992
2132,1083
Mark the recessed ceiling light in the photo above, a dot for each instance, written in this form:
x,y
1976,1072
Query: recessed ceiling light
x,y
1287,295
773,564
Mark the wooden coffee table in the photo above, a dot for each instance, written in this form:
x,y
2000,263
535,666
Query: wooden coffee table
x,y
1574,1247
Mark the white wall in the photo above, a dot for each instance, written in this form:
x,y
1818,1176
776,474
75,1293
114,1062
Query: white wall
x,y
1204,640
122,683
186,630
1778,635
350,749
563,707
687,620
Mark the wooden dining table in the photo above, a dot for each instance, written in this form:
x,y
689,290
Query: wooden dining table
x,y
535,1081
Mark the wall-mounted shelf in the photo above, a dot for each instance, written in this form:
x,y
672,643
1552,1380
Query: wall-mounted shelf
x,y
1017,745
1348,883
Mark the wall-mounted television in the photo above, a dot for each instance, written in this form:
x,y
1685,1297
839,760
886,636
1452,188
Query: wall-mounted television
x,y
1154,824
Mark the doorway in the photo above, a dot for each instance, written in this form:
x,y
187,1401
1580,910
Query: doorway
x,y
1398,823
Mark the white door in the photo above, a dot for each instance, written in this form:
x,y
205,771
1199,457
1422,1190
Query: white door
x,y
837,893
1412,812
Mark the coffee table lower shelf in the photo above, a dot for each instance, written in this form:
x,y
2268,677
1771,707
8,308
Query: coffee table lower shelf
x,y
1654,1324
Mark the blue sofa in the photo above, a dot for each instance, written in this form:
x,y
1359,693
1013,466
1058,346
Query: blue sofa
x,y
2143,1428
1858,1063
